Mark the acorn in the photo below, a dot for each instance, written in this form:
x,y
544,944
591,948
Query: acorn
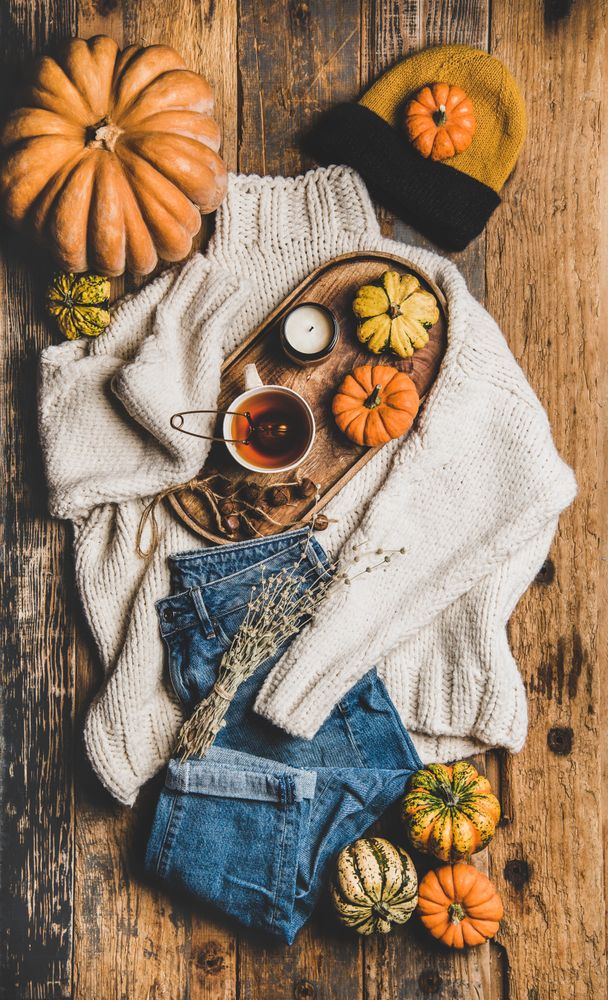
x,y
321,522
227,507
306,489
221,484
251,492
277,496
231,524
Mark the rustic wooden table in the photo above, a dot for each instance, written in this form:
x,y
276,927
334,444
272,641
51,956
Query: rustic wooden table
x,y
77,921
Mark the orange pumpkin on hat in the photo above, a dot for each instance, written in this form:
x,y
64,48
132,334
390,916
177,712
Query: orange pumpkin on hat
x,y
440,121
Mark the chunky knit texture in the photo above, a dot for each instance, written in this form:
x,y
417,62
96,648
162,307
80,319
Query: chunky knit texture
x,y
446,205
473,493
500,112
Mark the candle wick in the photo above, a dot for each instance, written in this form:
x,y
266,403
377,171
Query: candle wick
x,y
310,329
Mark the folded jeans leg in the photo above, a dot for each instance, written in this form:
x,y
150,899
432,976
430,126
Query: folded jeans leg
x,y
251,830
231,837
347,802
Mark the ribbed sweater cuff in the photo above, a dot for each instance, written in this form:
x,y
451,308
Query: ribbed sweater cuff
x,y
123,770
300,705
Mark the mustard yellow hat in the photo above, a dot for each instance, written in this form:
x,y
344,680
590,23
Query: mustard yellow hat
x,y
450,201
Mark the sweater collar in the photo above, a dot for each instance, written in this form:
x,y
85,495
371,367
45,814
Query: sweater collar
x,y
282,212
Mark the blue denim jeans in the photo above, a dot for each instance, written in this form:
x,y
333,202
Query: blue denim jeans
x,y
254,826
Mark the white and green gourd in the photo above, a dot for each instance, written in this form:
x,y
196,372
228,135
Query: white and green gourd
x,y
375,886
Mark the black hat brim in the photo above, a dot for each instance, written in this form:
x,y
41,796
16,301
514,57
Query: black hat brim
x,y
448,206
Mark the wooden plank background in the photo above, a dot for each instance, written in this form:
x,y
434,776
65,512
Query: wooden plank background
x,y
76,921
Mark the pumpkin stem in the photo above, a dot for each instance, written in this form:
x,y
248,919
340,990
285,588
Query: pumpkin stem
x,y
456,913
440,117
394,311
373,400
104,134
381,910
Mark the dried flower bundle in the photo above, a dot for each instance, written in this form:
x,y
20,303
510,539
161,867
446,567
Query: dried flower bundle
x,y
277,610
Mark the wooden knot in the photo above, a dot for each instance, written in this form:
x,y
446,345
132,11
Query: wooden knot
x,y
546,573
211,959
560,739
105,7
430,982
555,10
304,990
517,872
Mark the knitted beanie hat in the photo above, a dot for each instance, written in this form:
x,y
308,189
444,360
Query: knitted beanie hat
x,y
449,201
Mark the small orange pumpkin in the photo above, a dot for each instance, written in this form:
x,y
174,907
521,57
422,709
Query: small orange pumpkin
x,y
459,905
374,404
440,121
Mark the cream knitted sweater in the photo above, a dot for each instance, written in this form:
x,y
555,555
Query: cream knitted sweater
x,y
473,494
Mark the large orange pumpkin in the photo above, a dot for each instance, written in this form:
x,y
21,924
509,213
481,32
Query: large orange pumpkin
x,y
374,404
459,905
113,156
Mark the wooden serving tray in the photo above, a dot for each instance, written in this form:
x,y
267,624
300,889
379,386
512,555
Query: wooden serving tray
x,y
334,460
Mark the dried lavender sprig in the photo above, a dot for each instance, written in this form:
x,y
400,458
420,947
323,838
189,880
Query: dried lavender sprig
x,y
273,617
276,611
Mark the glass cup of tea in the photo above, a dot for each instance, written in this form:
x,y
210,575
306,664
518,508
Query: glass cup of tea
x,y
269,428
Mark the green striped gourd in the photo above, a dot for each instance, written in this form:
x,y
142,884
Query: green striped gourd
x,y
375,886
450,811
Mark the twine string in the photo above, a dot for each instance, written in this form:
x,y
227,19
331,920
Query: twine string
x,y
149,515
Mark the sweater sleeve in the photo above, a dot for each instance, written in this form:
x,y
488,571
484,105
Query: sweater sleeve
x,y
104,407
457,512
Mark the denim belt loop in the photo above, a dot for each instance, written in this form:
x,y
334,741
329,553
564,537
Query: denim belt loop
x,y
201,610
320,566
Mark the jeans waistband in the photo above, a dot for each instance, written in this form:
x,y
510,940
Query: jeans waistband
x,y
211,576
219,563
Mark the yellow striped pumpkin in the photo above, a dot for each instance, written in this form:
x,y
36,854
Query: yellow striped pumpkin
x,y
375,886
450,811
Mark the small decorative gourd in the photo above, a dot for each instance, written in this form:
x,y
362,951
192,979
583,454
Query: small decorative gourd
x,y
459,905
375,886
440,121
450,811
79,303
374,404
113,156
395,314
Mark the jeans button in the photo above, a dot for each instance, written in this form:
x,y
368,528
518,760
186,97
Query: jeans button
x,y
169,615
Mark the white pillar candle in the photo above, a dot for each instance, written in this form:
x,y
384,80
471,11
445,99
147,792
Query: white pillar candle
x,y
308,329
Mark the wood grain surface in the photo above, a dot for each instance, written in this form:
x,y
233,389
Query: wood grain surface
x,y
76,918
334,460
